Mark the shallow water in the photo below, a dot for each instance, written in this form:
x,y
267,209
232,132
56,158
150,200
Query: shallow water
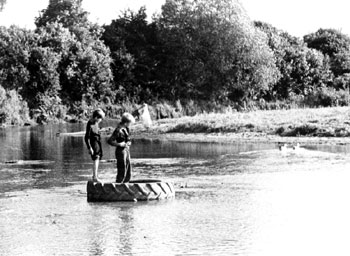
x,y
232,199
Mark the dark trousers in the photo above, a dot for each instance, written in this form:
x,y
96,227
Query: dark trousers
x,y
123,165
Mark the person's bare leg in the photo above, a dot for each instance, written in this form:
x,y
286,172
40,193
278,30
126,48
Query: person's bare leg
x,y
95,170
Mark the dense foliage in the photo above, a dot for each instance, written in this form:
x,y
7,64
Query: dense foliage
x,y
59,66
204,52
302,69
215,51
336,46
136,51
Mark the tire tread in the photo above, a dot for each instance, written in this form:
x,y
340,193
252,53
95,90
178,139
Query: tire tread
x,y
129,191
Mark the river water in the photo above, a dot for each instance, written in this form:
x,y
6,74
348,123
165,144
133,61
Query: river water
x,y
232,199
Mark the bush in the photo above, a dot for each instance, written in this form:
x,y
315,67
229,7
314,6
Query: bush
x,y
13,110
327,97
303,130
50,109
342,82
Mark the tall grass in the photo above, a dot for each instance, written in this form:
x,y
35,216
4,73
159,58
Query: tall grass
x,y
329,122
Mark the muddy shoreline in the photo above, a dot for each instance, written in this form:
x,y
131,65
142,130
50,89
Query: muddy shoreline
x,y
240,138
230,138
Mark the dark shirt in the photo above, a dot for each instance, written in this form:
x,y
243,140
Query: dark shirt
x,y
92,134
120,134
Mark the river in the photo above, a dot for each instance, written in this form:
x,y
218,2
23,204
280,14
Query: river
x,y
232,199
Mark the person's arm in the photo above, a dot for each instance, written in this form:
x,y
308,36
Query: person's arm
x,y
87,137
113,139
127,137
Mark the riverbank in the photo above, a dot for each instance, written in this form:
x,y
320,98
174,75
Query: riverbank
x,y
229,138
312,126
306,126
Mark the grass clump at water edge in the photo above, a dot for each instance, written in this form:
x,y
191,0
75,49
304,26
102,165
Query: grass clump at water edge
x,y
322,122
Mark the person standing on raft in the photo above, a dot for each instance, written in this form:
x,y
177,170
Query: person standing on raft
x,y
122,141
93,140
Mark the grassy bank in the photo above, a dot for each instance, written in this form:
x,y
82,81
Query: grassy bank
x,y
321,122
306,126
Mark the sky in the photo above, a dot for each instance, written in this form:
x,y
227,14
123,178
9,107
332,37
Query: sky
x,y
298,17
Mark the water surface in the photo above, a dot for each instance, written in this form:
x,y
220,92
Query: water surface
x,y
232,199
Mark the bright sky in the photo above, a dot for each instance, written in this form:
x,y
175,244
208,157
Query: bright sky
x,y
297,17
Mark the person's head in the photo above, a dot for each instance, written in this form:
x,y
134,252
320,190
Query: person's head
x,y
127,119
98,115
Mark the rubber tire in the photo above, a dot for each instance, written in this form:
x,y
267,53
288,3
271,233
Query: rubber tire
x,y
142,190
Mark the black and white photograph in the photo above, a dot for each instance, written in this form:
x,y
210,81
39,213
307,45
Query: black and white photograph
x,y
174,128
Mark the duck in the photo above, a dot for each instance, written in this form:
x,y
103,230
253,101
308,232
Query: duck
x,y
297,147
283,147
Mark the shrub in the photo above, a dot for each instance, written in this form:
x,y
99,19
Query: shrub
x,y
342,82
327,97
50,109
13,110
303,130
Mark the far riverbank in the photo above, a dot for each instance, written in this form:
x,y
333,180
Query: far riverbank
x,y
307,126
315,126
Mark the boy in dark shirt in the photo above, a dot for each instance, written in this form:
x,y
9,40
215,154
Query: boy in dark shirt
x,y
122,141
93,140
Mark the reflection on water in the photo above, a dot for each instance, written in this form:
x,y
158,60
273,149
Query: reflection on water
x,y
232,199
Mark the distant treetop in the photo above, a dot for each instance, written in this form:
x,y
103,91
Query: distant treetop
x,y
328,41
2,4
53,2
67,12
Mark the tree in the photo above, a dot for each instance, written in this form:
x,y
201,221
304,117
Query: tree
x,y
15,48
328,41
84,68
213,51
44,78
69,13
302,69
2,5
333,43
340,63
134,45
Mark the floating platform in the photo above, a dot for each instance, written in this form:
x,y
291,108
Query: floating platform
x,y
138,190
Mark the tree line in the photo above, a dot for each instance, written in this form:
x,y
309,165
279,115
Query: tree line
x,y
206,53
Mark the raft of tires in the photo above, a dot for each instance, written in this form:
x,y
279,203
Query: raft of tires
x,y
137,190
